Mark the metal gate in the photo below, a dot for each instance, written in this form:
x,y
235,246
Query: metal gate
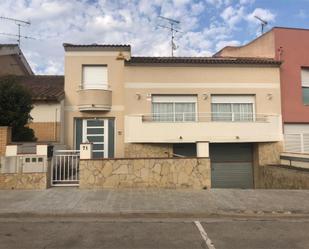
x,y
65,168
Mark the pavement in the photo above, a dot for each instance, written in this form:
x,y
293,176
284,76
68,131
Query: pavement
x,y
153,203
210,233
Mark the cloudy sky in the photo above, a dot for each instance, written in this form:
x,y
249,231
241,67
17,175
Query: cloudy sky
x,y
207,25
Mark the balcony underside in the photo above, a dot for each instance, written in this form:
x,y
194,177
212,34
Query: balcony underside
x,y
94,100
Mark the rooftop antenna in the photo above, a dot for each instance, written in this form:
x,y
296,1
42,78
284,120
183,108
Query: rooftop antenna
x,y
263,23
172,23
19,24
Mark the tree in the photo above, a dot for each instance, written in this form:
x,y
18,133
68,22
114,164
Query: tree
x,y
15,107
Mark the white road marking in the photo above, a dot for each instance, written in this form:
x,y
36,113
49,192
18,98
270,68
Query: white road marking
x,y
204,235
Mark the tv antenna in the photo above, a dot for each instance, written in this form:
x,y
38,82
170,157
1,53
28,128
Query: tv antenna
x,y
172,23
19,24
263,23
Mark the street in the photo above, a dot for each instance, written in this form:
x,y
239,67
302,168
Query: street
x,y
217,233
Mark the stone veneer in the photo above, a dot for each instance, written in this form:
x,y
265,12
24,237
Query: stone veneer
x,y
23,181
282,177
148,172
136,150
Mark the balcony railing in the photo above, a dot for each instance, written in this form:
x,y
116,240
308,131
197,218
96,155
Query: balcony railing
x,y
205,117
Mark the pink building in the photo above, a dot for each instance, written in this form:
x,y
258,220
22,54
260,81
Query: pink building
x,y
291,46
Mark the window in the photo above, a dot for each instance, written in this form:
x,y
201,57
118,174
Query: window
x,y
305,85
95,77
232,108
173,108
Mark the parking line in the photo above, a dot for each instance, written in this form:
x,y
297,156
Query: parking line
x,y
204,235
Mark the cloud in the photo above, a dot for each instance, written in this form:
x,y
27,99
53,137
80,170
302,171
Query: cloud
x,y
222,44
206,25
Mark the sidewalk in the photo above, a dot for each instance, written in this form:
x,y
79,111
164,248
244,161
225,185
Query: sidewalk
x,y
153,203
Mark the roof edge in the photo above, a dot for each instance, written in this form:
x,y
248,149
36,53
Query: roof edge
x,y
96,47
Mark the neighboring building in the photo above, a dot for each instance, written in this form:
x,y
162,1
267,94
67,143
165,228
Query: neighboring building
x,y
48,99
228,109
13,61
47,93
291,46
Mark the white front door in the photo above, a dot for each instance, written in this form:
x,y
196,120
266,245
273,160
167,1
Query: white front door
x,y
95,131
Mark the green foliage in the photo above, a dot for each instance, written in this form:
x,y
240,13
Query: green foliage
x,y
15,107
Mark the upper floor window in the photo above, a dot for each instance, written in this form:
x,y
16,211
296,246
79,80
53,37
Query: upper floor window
x,y
95,77
174,108
232,107
305,85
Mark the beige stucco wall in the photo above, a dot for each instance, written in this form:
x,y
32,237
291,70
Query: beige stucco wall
x,y
127,81
152,173
263,46
223,79
73,78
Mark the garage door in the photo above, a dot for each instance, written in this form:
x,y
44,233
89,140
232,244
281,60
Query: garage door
x,y
231,165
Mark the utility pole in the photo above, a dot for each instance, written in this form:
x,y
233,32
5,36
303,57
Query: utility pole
x,y
173,31
19,23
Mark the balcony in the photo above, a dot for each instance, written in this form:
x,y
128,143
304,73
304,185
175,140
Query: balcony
x,y
94,100
193,127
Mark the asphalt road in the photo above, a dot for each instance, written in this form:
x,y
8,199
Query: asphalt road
x,y
92,233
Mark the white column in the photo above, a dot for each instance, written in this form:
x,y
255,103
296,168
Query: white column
x,y
86,151
11,150
42,149
202,149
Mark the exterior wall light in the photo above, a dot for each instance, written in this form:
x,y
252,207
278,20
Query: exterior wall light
x,y
205,96
269,96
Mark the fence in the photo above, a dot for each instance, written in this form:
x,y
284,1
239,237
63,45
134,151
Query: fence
x,y
65,168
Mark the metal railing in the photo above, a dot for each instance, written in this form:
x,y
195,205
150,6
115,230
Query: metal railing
x,y
65,168
204,117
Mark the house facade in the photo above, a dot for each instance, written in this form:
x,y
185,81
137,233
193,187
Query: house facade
x,y
227,109
289,45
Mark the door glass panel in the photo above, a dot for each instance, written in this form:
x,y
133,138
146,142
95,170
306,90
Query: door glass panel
x,y
95,122
93,139
98,146
95,130
98,154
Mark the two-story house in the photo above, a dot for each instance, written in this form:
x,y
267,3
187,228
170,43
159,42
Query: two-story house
x,y
289,45
226,108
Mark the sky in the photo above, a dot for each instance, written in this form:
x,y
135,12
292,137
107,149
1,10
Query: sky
x,y
206,25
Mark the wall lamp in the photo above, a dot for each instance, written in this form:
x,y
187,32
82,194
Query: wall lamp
x,y
269,96
138,96
205,96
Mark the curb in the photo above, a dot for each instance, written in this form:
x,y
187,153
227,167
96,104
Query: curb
x,y
157,215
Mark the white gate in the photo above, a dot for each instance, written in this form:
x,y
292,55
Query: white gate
x,y
65,168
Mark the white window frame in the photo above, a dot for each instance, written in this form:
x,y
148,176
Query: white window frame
x,y
235,99
95,86
176,99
